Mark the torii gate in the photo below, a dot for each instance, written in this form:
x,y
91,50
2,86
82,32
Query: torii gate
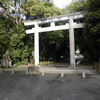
x,y
69,23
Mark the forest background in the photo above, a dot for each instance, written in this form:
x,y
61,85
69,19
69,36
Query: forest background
x,y
17,47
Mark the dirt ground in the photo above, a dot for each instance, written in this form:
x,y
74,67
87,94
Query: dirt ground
x,y
19,86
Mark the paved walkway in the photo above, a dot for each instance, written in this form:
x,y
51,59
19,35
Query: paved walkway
x,y
56,68
20,86
66,69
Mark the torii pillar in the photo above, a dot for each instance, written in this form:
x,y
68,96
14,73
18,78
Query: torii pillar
x,y
36,45
71,42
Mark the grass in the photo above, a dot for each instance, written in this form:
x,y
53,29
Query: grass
x,y
46,62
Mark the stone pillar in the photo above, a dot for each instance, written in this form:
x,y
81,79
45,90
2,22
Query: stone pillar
x,y
36,45
72,43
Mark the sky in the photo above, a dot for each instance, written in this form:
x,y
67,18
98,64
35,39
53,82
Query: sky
x,y
61,3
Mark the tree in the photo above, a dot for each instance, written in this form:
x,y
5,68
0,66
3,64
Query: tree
x,y
19,45
92,30
53,45
90,35
13,30
5,25
76,6
39,9
47,41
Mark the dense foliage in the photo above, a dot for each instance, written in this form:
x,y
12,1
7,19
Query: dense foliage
x,y
5,25
39,9
12,32
54,45
89,41
76,6
92,30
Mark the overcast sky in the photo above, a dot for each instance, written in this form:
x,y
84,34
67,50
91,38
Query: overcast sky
x,y
61,3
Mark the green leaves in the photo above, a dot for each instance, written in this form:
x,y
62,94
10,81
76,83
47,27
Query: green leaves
x,y
5,26
12,32
93,5
92,28
76,6
40,9
53,45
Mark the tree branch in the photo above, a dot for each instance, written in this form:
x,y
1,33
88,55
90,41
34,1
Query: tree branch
x,y
3,6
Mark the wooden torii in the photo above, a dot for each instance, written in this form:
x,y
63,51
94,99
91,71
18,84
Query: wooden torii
x,y
68,23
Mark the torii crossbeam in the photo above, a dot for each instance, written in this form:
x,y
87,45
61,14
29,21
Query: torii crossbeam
x,y
69,22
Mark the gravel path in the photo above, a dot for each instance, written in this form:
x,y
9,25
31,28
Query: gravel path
x,y
19,86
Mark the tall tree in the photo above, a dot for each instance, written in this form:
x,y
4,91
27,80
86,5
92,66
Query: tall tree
x,y
5,26
20,45
92,29
77,5
39,9
17,46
